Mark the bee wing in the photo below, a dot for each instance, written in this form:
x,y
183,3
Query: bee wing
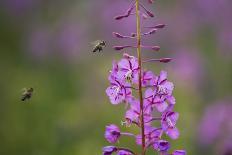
x,y
24,90
94,43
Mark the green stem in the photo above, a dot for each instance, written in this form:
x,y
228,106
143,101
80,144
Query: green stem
x,y
138,28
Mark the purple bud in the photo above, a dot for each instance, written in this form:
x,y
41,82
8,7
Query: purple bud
x,y
179,152
108,150
118,48
161,145
119,17
112,133
155,48
165,60
118,35
124,152
152,31
151,1
128,12
149,13
160,26
144,16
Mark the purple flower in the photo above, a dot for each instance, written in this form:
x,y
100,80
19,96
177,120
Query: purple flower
x,y
147,76
124,152
161,145
112,133
162,86
179,152
153,99
108,150
162,92
168,123
128,69
133,114
115,69
118,91
152,135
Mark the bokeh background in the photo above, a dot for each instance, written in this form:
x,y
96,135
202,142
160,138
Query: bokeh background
x,y
45,44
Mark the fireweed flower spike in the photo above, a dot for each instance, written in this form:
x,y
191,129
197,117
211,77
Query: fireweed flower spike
x,y
143,91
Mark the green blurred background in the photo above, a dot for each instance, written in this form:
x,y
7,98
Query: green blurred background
x,y
45,44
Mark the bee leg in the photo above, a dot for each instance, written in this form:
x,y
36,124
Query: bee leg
x,y
100,49
23,98
94,50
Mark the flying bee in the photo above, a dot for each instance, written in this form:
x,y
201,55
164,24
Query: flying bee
x,y
27,93
98,45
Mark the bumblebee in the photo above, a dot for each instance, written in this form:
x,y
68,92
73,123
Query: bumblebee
x,y
27,94
99,45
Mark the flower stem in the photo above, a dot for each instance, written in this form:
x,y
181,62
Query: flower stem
x,y
138,28
127,134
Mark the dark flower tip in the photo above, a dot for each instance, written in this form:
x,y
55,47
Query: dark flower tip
x,y
158,26
119,17
149,13
165,60
128,12
118,47
133,35
151,1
